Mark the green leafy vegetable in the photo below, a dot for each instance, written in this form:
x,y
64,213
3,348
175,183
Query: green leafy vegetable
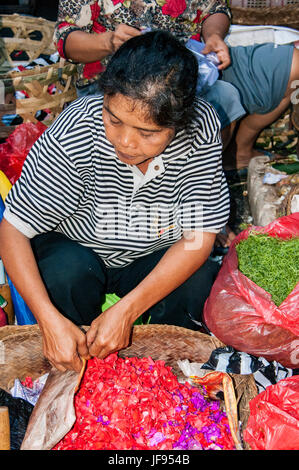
x,y
271,263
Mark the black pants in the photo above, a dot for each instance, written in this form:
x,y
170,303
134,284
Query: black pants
x,y
77,279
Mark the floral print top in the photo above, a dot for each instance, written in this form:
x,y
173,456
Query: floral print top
x,y
183,18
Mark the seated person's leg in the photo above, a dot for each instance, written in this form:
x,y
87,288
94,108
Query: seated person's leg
x,y
184,306
73,274
263,74
225,98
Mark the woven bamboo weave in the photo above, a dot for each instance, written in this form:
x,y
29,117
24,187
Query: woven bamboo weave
x,y
35,81
19,37
287,15
295,116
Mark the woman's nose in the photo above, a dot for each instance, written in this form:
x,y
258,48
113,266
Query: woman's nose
x,y
127,138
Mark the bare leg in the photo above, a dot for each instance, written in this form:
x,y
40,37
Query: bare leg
x,y
250,128
252,125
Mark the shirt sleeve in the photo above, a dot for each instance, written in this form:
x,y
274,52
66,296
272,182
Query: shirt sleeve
x,y
48,190
203,202
219,6
73,15
206,9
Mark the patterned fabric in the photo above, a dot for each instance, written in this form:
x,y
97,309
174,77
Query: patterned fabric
x,y
183,18
228,359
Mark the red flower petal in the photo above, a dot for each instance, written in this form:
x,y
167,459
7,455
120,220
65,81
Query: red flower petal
x,y
128,404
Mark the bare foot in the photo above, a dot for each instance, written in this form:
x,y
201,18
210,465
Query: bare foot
x,y
225,237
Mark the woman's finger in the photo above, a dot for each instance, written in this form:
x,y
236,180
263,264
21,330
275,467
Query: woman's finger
x,y
90,336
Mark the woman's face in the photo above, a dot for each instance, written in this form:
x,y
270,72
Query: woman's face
x,y
135,137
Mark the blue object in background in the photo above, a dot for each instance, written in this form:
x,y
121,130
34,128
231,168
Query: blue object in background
x,y
2,207
207,66
22,313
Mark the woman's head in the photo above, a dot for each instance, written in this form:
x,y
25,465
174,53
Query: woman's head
x,y
158,71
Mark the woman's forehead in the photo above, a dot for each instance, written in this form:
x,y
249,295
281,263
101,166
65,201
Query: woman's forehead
x,y
130,111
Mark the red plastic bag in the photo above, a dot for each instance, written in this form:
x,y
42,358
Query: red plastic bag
x,y
273,422
242,314
16,147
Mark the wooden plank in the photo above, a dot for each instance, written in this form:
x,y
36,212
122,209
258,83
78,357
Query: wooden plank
x,y
5,131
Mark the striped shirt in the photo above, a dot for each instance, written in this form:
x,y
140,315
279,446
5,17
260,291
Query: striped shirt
x,y
73,182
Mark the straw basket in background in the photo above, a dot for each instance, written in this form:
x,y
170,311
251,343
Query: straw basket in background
x,y
22,356
265,12
33,37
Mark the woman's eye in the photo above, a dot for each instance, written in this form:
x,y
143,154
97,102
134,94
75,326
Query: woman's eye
x,y
114,121
146,134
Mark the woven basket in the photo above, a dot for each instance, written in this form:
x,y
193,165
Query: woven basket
x,y
35,81
19,37
21,355
285,206
287,15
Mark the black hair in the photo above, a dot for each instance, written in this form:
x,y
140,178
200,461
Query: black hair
x,y
156,69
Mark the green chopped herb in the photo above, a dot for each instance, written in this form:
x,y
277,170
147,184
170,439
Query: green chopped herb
x,y
270,262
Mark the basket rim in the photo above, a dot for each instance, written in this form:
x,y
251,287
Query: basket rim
x,y
149,329
26,18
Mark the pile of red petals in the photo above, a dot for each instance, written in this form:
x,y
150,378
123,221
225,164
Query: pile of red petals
x,y
131,403
28,382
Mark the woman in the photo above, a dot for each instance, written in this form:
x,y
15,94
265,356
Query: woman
x,y
123,193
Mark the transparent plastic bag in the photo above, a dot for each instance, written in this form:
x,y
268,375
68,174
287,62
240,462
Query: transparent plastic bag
x,y
243,315
207,66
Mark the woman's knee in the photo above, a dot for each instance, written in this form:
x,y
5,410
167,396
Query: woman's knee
x,y
63,262
184,306
74,276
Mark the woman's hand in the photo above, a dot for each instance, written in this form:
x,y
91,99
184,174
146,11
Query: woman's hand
x,y
122,34
64,344
216,44
110,331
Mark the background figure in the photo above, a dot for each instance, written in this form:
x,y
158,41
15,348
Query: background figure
x,y
89,31
265,76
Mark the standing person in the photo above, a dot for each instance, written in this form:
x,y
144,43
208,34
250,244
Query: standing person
x,y
124,193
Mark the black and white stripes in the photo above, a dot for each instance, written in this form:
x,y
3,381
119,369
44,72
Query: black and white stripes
x,y
227,359
73,182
